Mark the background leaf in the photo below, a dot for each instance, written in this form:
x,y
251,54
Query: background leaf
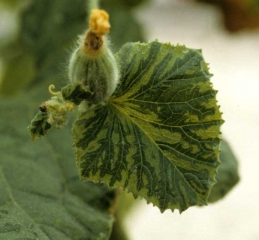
x,y
21,67
158,137
227,176
44,40
41,195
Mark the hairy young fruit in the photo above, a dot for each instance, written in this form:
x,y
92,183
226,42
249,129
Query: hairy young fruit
x,y
92,62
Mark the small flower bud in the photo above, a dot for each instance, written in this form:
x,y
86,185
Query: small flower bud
x,y
92,62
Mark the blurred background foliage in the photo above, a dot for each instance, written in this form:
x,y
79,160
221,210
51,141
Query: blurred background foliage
x,y
35,34
238,14
36,38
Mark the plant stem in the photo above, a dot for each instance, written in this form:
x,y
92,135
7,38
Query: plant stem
x,y
91,4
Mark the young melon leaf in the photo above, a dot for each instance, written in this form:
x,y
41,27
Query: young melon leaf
x,y
158,136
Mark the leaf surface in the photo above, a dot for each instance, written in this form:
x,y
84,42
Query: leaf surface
x,y
41,196
158,136
227,176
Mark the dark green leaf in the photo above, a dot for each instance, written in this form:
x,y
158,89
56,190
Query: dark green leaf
x,y
158,137
76,92
48,35
39,125
43,41
41,196
227,176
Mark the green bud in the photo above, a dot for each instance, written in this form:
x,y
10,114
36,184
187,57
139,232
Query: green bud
x,y
92,63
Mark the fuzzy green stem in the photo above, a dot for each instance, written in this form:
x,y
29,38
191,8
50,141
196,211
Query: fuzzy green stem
x,y
91,4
